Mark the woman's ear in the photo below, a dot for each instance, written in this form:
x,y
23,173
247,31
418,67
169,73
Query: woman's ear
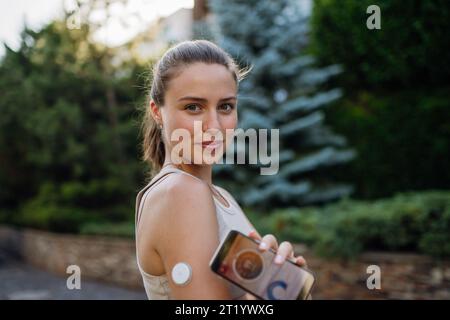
x,y
156,114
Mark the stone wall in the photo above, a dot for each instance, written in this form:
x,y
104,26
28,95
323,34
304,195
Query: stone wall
x,y
107,259
403,276
113,260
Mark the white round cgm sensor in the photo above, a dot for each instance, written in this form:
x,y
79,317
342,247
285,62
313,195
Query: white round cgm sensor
x,y
181,273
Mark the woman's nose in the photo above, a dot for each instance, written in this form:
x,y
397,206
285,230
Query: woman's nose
x,y
211,121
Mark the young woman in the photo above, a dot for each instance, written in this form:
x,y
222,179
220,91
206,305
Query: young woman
x,y
181,216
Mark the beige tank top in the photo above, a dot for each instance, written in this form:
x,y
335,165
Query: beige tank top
x,y
231,217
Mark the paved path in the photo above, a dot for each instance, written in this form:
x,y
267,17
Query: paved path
x,y
19,281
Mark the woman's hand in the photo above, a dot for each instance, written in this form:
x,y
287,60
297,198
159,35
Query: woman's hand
x,y
284,251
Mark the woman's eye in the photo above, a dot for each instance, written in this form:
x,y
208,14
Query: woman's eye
x,y
227,107
192,107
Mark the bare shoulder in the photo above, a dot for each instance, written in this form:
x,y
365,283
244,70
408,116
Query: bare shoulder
x,y
179,204
170,190
180,191
187,205
188,232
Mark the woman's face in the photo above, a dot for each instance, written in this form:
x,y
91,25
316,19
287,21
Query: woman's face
x,y
206,93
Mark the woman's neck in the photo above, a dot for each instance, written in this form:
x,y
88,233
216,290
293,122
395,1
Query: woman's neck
x,y
203,172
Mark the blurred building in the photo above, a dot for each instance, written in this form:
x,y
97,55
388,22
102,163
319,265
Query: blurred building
x,y
176,27
166,30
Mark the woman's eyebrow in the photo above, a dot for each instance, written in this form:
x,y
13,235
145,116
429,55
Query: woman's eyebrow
x,y
205,100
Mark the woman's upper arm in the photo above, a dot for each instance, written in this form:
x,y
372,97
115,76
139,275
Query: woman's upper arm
x,y
189,233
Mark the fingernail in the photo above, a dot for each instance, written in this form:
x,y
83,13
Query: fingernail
x,y
279,259
263,246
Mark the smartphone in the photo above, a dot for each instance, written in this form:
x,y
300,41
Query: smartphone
x,y
238,259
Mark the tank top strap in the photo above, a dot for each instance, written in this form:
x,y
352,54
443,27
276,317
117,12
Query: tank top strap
x,y
140,198
164,172
216,188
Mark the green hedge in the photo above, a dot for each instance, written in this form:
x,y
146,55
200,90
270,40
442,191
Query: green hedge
x,y
412,222
72,205
407,52
395,91
402,141
68,119
120,229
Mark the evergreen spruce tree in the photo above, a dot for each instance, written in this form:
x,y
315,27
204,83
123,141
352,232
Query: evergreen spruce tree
x,y
67,132
283,91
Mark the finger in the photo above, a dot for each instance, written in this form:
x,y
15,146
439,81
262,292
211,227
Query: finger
x,y
284,251
268,241
300,260
254,235
292,256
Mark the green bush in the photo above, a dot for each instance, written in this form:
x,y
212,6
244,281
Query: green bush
x,y
69,118
53,217
49,211
286,223
407,52
413,222
402,141
123,229
395,91
101,195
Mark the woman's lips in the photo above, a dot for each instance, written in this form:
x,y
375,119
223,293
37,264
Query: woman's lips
x,y
212,144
